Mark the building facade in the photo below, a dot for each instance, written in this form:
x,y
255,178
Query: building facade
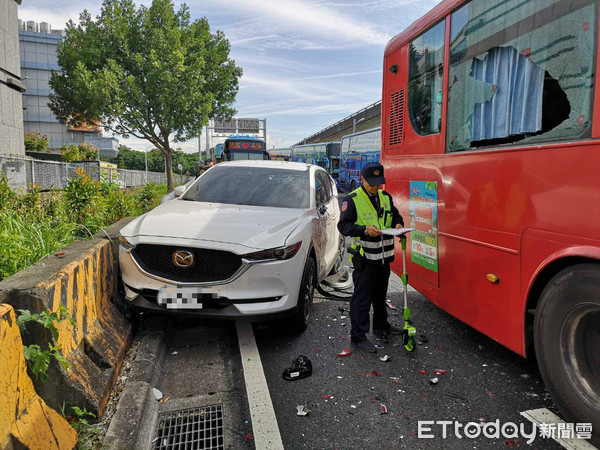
x,y
38,45
11,85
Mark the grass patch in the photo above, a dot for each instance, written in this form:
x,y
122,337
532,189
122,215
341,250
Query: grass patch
x,y
34,225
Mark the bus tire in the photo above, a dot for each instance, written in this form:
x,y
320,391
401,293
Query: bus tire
x,y
567,339
301,318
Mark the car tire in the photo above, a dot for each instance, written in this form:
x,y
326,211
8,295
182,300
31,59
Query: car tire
x,y
340,258
567,338
306,294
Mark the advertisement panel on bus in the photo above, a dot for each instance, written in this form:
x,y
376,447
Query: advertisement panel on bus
x,y
494,119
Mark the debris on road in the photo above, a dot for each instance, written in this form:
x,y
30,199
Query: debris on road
x,y
385,358
302,410
345,352
384,409
440,371
327,396
249,437
157,394
301,368
423,371
434,380
389,304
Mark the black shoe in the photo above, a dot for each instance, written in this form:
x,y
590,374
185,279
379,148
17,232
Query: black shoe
x,y
365,345
388,331
301,368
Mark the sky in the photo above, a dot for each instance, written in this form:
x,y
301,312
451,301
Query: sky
x,y
307,64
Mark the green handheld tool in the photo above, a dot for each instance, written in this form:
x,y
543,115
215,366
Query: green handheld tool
x,y
409,331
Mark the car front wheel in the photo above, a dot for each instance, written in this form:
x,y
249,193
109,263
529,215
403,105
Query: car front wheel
x,y
305,296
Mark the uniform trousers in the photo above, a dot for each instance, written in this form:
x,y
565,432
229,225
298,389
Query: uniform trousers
x,y
370,288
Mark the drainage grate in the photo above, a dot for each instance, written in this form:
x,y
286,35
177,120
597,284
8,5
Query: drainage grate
x,y
197,428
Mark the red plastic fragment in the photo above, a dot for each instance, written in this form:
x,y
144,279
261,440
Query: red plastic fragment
x,y
375,373
345,352
317,349
510,443
440,371
423,371
327,397
383,409
249,437
490,393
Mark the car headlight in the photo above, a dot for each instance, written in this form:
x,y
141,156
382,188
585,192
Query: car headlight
x,y
127,246
271,254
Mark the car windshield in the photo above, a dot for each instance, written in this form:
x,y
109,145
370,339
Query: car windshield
x,y
256,186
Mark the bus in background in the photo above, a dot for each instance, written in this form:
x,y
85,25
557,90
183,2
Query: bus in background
x,y
357,149
324,154
491,146
218,151
281,154
243,147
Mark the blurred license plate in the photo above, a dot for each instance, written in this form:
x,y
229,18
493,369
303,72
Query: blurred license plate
x,y
182,297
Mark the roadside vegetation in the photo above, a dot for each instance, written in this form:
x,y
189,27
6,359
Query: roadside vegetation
x,y
36,224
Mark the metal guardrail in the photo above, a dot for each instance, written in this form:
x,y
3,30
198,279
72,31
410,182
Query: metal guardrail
x,y
23,172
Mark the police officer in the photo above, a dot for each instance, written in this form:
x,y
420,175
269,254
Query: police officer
x,y
365,212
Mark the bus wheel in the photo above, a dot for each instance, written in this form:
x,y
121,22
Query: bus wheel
x,y
301,318
567,339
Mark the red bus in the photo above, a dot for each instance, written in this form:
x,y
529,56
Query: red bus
x,y
491,144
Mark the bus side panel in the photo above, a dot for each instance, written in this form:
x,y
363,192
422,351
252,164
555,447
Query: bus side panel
x,y
492,308
541,248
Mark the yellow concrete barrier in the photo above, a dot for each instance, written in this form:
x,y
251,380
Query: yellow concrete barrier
x,y
83,281
25,419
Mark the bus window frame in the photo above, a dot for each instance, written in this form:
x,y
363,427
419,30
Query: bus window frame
x,y
519,145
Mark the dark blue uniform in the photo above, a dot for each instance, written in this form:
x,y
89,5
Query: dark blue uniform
x,y
371,281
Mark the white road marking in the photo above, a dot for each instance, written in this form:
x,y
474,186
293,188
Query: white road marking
x,y
543,415
264,422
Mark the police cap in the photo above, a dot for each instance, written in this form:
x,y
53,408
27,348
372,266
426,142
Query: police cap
x,y
373,173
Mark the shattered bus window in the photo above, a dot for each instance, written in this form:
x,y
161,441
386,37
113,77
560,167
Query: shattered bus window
x,y
519,77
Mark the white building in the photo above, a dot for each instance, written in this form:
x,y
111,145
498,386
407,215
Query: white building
x,y
38,43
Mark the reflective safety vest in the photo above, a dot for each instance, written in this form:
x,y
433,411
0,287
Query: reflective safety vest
x,y
380,249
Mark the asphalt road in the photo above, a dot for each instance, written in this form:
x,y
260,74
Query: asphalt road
x,y
483,382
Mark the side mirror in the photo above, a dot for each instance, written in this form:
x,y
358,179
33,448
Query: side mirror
x,y
179,190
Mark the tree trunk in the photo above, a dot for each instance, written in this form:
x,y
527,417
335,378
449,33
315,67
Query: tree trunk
x,y
169,166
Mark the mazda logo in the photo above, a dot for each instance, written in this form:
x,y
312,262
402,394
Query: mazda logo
x,y
183,258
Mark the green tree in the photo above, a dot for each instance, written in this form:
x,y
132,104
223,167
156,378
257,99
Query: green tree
x,y
148,72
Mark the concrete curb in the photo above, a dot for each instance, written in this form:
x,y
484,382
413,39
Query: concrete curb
x,y
132,425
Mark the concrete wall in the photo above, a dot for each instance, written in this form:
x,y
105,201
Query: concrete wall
x,y
25,419
84,281
11,86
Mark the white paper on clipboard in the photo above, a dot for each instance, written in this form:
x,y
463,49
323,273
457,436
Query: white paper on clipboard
x,y
397,231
